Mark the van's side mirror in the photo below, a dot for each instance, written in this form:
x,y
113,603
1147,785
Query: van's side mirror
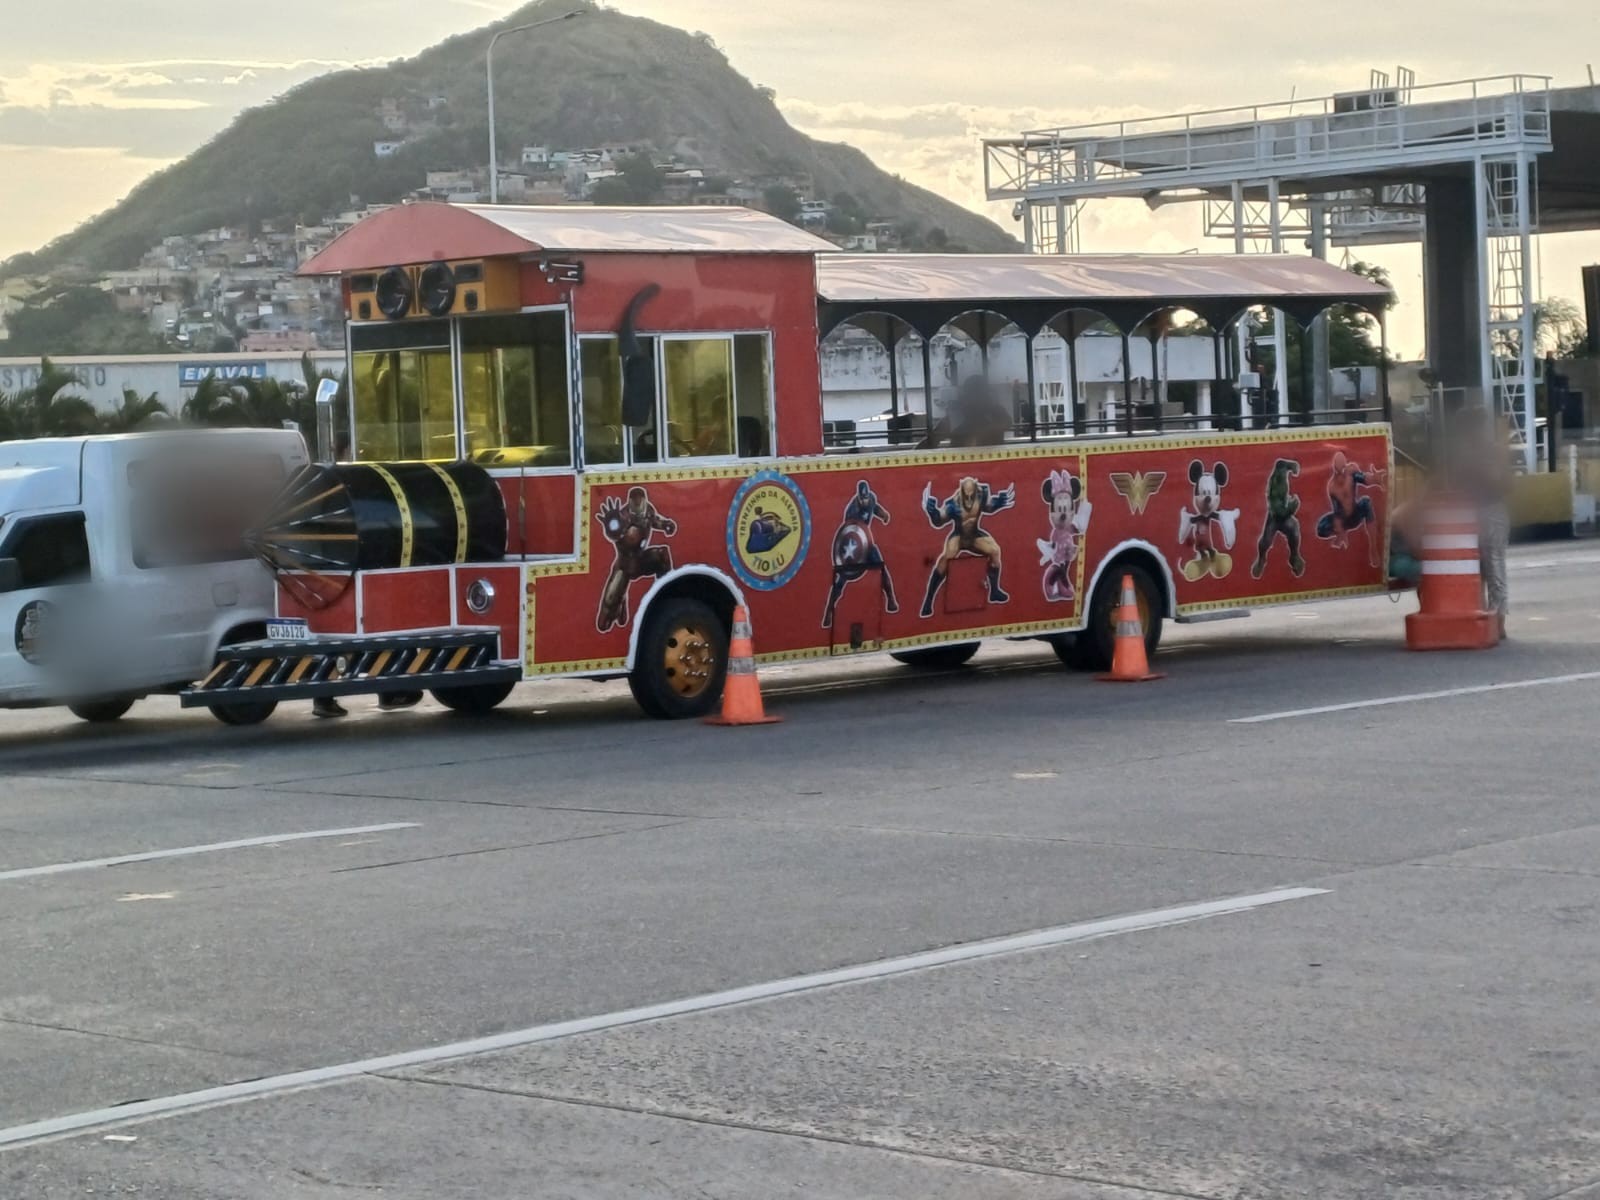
x,y
638,365
638,390
10,575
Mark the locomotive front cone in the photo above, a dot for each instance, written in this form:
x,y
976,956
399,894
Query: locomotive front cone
x,y
741,691
1129,663
331,521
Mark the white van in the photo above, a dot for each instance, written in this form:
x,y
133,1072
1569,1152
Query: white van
x,y
123,565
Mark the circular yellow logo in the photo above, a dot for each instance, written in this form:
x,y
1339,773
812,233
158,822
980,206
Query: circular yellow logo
x,y
769,530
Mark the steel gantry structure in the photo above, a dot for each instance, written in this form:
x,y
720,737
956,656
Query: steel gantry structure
x,y
1454,165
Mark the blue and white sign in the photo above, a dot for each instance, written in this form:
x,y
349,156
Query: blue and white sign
x,y
191,374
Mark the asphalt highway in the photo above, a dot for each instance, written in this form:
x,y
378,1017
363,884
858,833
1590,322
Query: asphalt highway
x,y
1312,916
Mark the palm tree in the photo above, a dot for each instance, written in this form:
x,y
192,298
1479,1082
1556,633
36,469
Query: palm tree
x,y
136,412
212,402
47,409
253,403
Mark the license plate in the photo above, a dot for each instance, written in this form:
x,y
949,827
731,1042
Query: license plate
x,y
289,629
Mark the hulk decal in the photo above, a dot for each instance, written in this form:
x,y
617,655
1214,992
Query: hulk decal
x,y
1280,520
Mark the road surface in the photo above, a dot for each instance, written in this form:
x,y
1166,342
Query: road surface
x,y
1312,916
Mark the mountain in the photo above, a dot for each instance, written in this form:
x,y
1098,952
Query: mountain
x,y
603,78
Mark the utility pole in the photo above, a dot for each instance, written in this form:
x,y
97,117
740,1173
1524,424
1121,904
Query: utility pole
x,y
494,155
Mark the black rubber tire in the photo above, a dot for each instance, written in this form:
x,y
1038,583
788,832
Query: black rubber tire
x,y
102,712
1069,648
937,658
1092,648
475,699
650,681
244,712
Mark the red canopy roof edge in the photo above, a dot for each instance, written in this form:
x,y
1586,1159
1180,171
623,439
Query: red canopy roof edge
x,y
412,233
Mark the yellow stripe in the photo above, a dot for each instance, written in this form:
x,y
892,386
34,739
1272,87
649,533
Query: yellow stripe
x,y
460,507
215,671
261,669
300,669
457,657
381,662
416,663
407,527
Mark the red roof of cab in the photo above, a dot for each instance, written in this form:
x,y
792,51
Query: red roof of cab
x,y
428,231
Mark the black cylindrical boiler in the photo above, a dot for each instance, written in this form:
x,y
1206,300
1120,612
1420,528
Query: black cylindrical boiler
x,y
333,520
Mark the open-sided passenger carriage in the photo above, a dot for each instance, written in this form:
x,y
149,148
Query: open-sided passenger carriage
x,y
581,436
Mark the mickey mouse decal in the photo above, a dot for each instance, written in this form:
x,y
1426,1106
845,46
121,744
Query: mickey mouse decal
x,y
1207,526
1069,520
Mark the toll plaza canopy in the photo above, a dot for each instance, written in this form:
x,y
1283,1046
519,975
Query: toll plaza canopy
x,y
428,231
928,291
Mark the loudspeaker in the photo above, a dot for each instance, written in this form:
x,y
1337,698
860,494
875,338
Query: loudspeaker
x,y
438,289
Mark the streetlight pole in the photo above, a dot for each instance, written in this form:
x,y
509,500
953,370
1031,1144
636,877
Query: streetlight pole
x,y
494,157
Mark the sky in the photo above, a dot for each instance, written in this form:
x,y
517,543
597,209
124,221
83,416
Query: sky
x,y
96,94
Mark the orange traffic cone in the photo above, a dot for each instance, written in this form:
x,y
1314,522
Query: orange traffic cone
x,y
1450,594
741,692
1128,661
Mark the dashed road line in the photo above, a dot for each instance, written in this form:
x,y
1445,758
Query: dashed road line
x,y
272,839
1414,697
255,1089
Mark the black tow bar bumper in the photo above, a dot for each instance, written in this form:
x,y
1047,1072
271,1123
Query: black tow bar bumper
x,y
352,666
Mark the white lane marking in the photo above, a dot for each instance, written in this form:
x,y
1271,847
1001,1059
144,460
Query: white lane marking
x,y
90,864
133,897
1540,564
253,1089
1035,774
1381,701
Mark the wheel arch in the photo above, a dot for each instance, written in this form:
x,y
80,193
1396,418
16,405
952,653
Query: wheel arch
x,y
700,582
1137,550
243,626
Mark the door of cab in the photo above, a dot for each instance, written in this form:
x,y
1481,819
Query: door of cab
x,y
48,573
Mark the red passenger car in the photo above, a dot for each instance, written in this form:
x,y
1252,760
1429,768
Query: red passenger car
x,y
581,436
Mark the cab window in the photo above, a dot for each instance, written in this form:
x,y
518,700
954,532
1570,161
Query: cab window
x,y
49,550
752,395
714,400
404,394
514,390
699,397
606,440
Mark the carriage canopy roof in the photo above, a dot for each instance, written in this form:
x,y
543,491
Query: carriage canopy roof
x,y
926,290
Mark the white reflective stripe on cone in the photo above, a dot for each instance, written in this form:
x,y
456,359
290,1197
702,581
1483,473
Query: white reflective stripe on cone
x,y
741,666
1449,541
741,629
1451,566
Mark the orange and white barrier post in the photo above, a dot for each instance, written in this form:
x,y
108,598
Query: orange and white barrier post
x,y
741,691
1129,663
1451,614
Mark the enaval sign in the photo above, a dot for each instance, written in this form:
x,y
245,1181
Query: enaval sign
x,y
191,374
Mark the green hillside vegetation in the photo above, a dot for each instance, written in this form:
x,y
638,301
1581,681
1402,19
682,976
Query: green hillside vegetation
x,y
606,77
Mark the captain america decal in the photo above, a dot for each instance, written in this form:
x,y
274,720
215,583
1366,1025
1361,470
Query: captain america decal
x,y
855,550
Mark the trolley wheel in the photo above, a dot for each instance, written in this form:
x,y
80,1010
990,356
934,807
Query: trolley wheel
x,y
937,658
101,712
681,661
244,712
1092,648
1069,648
474,699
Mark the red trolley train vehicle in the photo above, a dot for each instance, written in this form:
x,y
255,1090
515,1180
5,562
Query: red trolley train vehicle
x,y
581,436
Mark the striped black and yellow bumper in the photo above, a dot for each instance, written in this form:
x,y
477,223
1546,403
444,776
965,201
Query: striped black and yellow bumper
x,y
352,666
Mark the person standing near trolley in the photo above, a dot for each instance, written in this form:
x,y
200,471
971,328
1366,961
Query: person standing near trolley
x,y
1482,470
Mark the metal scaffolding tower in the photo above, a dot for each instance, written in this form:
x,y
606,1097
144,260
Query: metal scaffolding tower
x,y
1451,164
